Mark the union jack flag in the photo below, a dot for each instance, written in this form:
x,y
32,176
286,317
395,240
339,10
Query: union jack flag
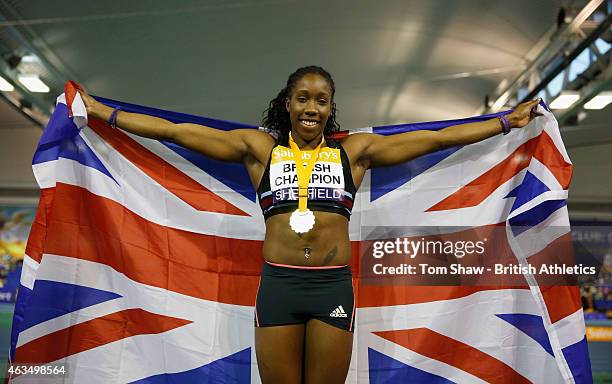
x,y
143,261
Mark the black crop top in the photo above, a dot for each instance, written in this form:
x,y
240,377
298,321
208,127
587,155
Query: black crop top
x,y
330,188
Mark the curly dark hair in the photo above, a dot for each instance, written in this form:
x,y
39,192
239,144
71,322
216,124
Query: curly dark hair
x,y
276,117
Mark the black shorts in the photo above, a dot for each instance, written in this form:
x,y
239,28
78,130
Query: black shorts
x,y
294,295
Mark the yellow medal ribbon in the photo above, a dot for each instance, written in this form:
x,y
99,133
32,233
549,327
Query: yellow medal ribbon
x,y
303,173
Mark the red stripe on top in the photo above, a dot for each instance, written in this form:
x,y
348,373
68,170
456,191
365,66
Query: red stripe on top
x,y
265,202
541,147
89,227
164,173
94,333
455,353
346,201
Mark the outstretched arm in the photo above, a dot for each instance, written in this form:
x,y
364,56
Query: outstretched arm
x,y
372,150
232,146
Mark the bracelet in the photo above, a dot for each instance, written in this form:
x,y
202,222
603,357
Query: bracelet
x,y
505,124
112,120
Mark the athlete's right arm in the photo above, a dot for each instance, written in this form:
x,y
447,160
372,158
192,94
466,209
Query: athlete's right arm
x,y
232,146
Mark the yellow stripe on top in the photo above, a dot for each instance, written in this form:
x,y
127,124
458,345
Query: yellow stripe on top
x,y
326,154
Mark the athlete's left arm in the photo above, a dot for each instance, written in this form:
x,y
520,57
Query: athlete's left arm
x,y
372,150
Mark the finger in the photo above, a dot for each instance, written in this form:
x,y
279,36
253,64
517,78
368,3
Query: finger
x,y
528,105
534,104
534,111
531,103
84,95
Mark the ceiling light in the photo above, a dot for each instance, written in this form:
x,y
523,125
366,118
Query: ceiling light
x,y
600,101
6,86
565,100
29,59
33,83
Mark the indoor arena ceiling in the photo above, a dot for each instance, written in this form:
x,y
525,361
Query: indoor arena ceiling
x,y
392,60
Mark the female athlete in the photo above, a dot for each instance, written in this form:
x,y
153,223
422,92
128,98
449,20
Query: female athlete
x,y
304,314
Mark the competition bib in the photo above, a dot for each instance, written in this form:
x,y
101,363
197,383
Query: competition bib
x,y
326,181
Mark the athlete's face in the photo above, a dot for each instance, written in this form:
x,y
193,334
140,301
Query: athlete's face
x,y
309,106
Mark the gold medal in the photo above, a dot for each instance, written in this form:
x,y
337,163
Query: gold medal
x,y
302,219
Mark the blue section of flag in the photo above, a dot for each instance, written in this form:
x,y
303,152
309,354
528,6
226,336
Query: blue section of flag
x,y
386,179
577,357
235,368
51,299
529,188
21,305
532,326
60,127
61,139
234,175
74,149
432,125
535,215
175,117
386,370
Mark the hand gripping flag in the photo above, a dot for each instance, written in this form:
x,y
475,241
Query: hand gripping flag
x,y
143,261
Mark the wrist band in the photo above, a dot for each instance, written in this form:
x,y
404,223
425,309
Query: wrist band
x,y
505,124
112,120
